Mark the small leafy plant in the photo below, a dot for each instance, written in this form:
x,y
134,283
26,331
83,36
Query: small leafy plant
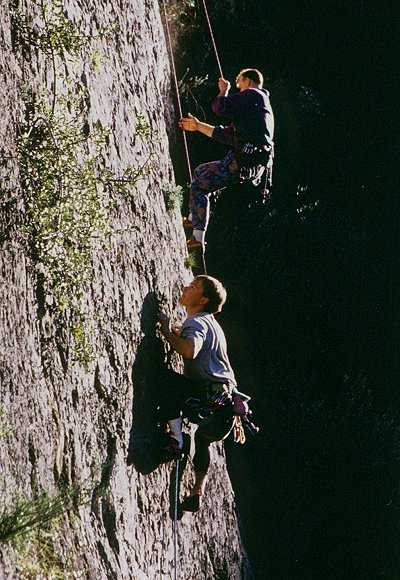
x,y
173,196
191,261
5,429
37,555
31,527
26,514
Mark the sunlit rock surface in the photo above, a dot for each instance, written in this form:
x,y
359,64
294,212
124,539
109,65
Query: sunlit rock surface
x,y
67,425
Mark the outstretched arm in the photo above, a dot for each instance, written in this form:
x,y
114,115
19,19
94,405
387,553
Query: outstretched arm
x,y
191,123
223,135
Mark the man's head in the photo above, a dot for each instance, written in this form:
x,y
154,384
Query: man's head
x,y
249,78
204,294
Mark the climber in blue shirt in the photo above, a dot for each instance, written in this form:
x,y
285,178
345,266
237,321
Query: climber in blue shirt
x,y
250,136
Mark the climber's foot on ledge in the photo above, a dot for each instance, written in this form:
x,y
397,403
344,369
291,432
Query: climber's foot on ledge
x,y
193,244
187,224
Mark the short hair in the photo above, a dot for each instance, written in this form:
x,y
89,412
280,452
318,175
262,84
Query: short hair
x,y
254,75
214,291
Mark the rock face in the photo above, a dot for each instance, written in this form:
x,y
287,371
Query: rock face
x,y
62,423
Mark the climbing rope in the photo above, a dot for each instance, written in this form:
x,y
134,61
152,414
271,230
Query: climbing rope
x,y
178,98
174,527
212,38
163,550
175,520
176,83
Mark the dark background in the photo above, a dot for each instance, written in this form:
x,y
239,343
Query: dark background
x,y
312,317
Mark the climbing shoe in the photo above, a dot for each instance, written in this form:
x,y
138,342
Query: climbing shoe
x,y
193,244
191,503
187,224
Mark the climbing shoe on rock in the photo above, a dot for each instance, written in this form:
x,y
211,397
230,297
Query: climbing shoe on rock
x,y
187,224
191,503
193,244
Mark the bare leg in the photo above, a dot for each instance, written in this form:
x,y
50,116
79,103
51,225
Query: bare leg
x,y
199,483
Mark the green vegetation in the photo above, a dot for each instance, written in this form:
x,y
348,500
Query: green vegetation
x,y
173,196
66,206
190,88
37,556
4,426
32,526
66,183
191,261
26,515
181,12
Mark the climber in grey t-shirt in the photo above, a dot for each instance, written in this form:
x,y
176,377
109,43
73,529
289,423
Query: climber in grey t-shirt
x,y
210,360
202,344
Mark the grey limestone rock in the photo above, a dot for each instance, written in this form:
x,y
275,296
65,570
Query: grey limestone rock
x,y
65,421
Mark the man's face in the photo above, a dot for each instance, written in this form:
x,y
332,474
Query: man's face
x,y
242,83
192,295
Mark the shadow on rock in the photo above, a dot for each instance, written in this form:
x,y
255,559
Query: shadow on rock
x,y
145,436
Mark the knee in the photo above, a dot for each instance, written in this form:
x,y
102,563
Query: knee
x,y
201,459
201,443
198,171
199,175
195,179
200,197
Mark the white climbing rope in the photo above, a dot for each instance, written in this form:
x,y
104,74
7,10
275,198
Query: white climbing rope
x,y
175,520
178,98
212,38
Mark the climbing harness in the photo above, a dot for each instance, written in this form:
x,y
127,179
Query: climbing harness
x,y
216,398
220,397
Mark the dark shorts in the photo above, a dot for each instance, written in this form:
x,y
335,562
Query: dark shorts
x,y
174,390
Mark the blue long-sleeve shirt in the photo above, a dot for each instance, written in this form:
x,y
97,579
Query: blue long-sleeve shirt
x,y
251,114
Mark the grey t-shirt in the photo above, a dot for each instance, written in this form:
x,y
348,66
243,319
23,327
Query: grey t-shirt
x,y
210,360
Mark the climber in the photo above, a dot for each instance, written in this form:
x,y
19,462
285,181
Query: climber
x,y
250,136
207,375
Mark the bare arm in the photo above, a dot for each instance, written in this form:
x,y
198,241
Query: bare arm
x,y
183,346
191,123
